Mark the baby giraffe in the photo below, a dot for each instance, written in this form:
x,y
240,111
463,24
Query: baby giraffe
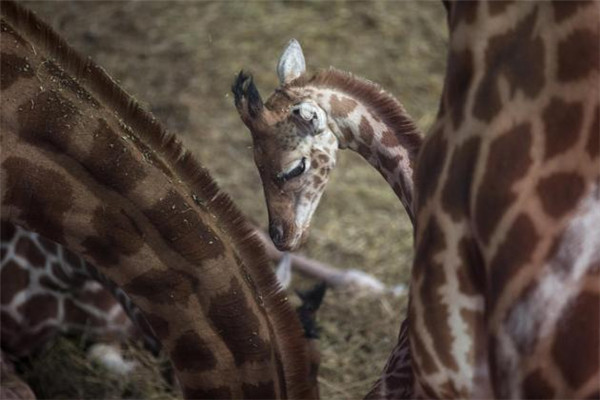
x,y
296,134
298,130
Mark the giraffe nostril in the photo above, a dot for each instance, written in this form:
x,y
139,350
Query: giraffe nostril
x,y
276,233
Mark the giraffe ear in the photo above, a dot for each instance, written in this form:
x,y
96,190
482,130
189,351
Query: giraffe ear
x,y
247,99
291,64
307,111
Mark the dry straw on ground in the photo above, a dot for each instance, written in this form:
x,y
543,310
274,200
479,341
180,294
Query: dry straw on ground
x,y
179,59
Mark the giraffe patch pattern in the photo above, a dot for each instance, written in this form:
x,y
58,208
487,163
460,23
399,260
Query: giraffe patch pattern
x,y
580,43
117,235
518,56
13,68
511,256
457,190
508,161
46,193
238,325
558,204
557,115
192,353
577,333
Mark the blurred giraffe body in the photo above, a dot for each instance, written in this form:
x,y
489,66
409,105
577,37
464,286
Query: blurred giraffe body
x,y
84,166
505,289
48,289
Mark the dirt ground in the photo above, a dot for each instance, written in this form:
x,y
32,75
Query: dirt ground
x,y
179,60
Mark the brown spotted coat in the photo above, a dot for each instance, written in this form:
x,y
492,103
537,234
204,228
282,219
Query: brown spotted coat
x,y
46,289
354,113
505,291
84,166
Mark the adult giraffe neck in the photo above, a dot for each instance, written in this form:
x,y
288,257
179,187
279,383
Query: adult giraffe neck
x,y
371,122
89,169
508,184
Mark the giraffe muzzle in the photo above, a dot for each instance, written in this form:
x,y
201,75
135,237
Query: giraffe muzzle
x,y
276,233
284,238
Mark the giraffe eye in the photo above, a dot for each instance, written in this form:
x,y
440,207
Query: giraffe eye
x,y
294,172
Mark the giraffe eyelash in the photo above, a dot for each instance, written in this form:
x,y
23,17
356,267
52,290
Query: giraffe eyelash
x,y
294,172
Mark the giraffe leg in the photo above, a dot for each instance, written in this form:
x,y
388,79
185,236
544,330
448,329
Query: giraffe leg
x,y
447,328
396,381
307,312
320,271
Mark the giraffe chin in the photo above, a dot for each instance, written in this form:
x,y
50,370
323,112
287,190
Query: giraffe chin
x,y
289,245
296,241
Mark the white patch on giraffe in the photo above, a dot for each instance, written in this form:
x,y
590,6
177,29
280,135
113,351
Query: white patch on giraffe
x,y
580,248
462,337
326,143
115,311
561,280
304,212
111,358
19,299
92,286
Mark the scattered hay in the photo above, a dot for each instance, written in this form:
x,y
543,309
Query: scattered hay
x,y
63,371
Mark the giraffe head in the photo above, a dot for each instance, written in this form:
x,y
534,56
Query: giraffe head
x,y
294,147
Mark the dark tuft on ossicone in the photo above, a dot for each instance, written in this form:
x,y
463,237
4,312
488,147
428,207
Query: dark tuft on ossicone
x,y
244,88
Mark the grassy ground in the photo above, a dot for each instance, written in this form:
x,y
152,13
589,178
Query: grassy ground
x,y
63,371
179,59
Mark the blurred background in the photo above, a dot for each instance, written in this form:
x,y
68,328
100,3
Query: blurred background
x,y
179,59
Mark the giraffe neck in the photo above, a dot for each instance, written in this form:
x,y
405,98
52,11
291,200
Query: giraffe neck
x,y
88,169
371,122
507,208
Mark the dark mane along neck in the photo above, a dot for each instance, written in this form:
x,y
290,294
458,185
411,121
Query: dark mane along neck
x,y
393,149
161,154
372,96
